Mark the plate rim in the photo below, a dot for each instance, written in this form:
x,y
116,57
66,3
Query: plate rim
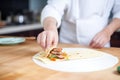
x,y
20,40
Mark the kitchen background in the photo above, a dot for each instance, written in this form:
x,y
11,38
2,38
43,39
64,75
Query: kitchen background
x,y
22,18
28,8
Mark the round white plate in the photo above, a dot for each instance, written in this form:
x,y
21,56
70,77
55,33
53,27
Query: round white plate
x,y
11,40
82,65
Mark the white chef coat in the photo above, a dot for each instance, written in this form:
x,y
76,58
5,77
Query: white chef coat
x,y
81,20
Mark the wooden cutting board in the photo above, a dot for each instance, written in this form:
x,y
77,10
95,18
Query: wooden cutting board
x,y
16,64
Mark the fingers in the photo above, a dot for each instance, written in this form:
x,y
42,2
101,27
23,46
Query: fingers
x,y
52,39
95,42
41,39
47,39
55,41
99,42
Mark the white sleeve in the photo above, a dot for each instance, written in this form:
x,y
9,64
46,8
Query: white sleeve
x,y
55,9
116,9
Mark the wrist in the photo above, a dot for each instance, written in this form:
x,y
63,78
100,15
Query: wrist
x,y
113,26
50,24
50,28
109,31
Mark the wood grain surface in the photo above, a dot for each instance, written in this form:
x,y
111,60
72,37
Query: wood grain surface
x,y
16,64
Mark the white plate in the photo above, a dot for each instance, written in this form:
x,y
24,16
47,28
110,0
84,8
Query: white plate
x,y
82,65
11,40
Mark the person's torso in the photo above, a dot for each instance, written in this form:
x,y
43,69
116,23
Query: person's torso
x,y
84,18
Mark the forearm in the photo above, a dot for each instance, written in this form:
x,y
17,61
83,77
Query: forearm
x,y
103,37
50,24
113,26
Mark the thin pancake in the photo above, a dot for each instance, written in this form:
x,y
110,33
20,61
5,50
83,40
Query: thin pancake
x,y
47,51
41,56
76,53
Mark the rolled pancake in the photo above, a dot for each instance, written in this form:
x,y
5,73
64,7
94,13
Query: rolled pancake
x,y
73,54
47,51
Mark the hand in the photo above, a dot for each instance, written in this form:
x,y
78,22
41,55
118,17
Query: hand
x,y
47,39
100,39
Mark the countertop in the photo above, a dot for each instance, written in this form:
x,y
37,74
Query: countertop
x,y
16,64
19,28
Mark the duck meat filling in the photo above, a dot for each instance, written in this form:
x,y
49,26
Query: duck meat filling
x,y
56,53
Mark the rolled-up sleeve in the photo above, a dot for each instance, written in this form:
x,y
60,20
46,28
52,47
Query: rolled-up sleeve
x,y
55,9
116,9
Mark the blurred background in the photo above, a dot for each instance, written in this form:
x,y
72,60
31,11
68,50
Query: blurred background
x,y
22,18
27,8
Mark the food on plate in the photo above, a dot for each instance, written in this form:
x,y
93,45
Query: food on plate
x,y
56,53
52,55
65,54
